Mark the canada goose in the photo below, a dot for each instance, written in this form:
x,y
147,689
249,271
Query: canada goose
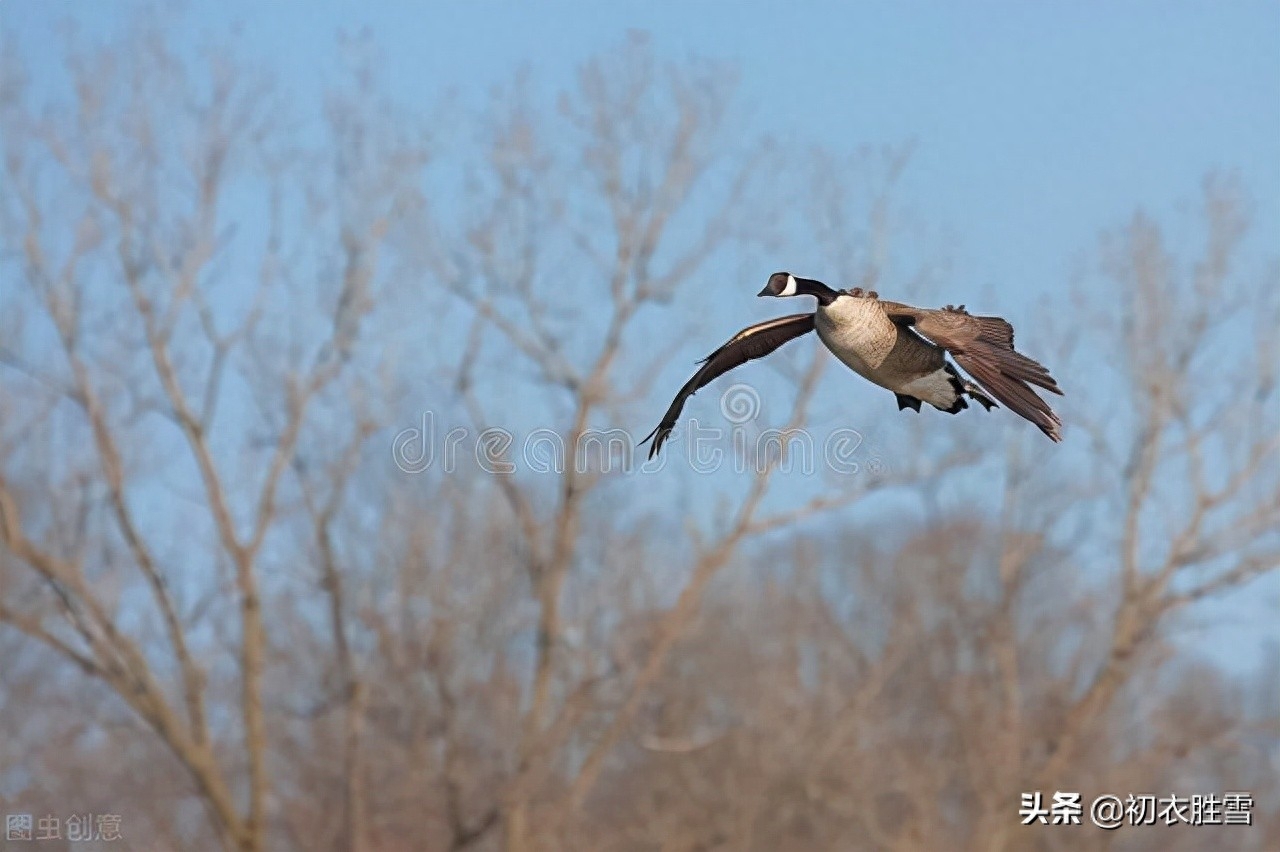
x,y
895,346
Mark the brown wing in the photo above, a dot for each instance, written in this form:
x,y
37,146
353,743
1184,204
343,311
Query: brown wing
x,y
747,345
983,346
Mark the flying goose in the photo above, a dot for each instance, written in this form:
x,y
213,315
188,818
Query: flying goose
x,y
896,346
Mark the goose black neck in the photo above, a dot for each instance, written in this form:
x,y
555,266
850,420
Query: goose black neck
x,y
810,287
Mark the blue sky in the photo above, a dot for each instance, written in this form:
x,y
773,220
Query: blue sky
x,y
1037,124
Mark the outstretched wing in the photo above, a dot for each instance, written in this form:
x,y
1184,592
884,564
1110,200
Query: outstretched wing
x,y
747,345
983,346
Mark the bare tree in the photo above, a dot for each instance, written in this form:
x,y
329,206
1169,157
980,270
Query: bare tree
x,y
149,351
643,136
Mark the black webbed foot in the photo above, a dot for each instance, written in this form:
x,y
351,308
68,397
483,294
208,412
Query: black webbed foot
x,y
905,401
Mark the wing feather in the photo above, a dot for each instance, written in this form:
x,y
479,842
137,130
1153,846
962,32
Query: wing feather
x,y
753,342
992,372
983,346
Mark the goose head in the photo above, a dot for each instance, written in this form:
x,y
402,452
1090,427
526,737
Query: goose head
x,y
781,284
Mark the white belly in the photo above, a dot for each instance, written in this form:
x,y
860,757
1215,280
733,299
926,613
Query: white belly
x,y
936,388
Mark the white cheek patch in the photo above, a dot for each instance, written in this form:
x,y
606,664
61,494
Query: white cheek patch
x,y
790,289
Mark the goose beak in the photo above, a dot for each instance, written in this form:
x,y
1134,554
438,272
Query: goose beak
x,y
764,292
